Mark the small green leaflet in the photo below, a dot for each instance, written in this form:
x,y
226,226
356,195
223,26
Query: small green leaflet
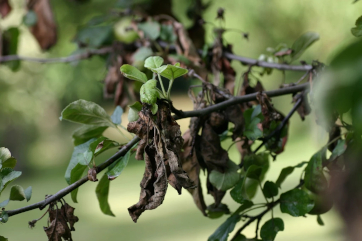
x,y
153,62
4,216
7,175
296,202
149,93
102,192
172,72
116,117
17,193
226,180
314,179
269,230
357,31
133,73
141,54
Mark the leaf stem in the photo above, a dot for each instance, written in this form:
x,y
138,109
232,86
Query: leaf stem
x,y
161,83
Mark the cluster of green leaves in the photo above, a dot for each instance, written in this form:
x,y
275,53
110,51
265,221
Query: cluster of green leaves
x,y
7,175
90,143
285,54
149,92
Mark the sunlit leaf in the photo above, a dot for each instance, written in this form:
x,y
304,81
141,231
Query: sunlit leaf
x,y
149,93
153,62
173,72
133,73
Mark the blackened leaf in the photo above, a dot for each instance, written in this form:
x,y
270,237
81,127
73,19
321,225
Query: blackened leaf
x,y
86,112
80,155
30,18
87,132
314,179
302,43
10,46
116,116
115,170
95,36
222,233
133,73
218,211
339,149
270,229
226,180
286,172
153,62
148,92
7,175
134,109
270,189
296,202
320,221
151,29
173,71
102,191
28,193
17,193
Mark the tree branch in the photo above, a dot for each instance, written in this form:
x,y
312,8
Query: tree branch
x,y
129,145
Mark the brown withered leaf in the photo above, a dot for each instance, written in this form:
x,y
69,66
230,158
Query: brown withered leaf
x,y
234,115
304,109
58,226
5,8
45,29
92,175
68,212
218,195
214,156
192,167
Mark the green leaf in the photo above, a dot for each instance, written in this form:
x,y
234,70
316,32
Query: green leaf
x,y
269,230
153,62
246,204
173,72
75,175
30,18
102,191
3,238
254,172
101,145
216,212
95,36
4,154
319,220
11,162
240,237
7,175
4,203
302,43
252,118
17,193
226,180
286,172
222,233
339,149
238,193
134,109
4,217
86,112
116,169
133,73
270,189
116,116
314,179
296,202
10,39
141,54
28,193
167,33
148,92
151,29
154,109
81,155
357,31
87,132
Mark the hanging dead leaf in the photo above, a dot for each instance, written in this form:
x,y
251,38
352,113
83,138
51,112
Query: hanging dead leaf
x,y
45,30
69,214
5,8
92,175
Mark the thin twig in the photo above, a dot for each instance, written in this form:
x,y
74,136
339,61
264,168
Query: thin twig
x,y
234,100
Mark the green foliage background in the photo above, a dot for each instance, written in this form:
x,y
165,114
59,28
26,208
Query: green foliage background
x,y
32,99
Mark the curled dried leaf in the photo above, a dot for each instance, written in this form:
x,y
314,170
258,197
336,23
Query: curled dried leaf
x,y
92,175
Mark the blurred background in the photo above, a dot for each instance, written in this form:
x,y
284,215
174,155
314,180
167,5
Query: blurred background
x,y
33,97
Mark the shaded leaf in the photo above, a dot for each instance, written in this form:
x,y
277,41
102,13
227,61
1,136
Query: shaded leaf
x,y
226,180
17,193
151,29
28,193
314,179
339,149
86,112
296,202
10,42
238,193
75,175
270,189
102,191
134,109
246,204
44,30
11,162
95,36
214,212
87,132
167,33
254,172
133,73
357,31
148,92
116,116
319,220
302,43
222,233
115,170
269,230
286,172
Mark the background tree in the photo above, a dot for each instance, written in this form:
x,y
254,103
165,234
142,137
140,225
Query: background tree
x,y
231,139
